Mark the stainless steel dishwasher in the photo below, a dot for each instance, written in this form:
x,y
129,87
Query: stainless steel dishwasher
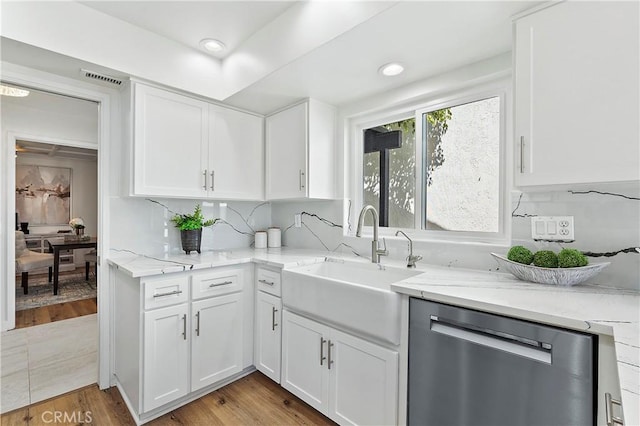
x,y
472,368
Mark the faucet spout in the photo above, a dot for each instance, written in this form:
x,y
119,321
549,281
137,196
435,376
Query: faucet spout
x,y
376,252
411,259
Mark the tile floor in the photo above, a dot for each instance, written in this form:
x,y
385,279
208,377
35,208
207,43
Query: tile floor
x,y
47,360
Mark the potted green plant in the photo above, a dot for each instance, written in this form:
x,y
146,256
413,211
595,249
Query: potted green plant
x,y
190,226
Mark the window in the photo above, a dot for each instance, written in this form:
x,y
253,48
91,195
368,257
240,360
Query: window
x,y
439,169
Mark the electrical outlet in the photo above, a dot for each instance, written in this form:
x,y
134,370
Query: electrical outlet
x,y
297,219
552,228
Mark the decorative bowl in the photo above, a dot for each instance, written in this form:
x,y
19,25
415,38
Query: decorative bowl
x,y
557,276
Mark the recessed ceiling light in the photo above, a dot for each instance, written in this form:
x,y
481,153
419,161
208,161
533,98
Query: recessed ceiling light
x,y
13,91
391,69
212,45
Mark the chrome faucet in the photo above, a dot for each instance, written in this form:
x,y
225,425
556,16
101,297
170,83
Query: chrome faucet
x,y
376,252
411,259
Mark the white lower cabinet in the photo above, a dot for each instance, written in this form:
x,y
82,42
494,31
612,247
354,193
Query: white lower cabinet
x,y
350,380
178,336
216,341
166,355
268,336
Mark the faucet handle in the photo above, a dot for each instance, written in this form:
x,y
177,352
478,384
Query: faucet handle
x,y
384,251
412,259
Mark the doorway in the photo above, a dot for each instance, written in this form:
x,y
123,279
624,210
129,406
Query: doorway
x,y
56,185
48,126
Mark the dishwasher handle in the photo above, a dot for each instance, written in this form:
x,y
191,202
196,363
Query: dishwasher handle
x,y
505,342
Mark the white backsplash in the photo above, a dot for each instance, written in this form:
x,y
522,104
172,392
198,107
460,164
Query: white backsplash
x,y
603,223
146,227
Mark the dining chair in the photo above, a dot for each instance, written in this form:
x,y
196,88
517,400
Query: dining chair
x,y
92,256
27,260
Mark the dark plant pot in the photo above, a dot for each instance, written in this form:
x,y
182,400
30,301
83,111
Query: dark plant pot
x,y
191,240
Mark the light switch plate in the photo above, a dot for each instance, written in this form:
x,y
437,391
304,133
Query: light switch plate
x,y
552,228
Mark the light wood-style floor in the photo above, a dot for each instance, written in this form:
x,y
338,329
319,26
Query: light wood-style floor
x,y
252,400
58,312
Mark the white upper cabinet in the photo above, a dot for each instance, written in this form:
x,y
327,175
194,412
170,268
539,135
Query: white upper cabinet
x,y
300,152
170,144
187,148
577,94
236,154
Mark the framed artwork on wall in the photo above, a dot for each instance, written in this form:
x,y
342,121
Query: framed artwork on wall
x,y
43,194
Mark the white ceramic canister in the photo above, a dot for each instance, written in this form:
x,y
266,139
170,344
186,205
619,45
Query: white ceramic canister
x,y
261,239
275,237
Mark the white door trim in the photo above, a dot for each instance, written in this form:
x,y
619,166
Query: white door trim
x,y
108,125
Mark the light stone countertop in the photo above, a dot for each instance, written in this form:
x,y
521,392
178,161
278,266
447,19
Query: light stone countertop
x,y
590,308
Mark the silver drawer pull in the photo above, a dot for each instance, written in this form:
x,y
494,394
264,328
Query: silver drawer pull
x,y
274,311
266,282
171,293
329,360
322,357
184,326
521,154
608,405
219,284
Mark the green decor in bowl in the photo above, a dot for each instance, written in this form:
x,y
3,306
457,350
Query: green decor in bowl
x,y
556,276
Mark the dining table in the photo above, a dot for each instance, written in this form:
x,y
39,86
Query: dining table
x,y
56,245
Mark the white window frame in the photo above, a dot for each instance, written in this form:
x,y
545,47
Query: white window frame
x,y
501,89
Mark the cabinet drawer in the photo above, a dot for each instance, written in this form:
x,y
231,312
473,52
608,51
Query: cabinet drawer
x,y
268,281
216,282
165,291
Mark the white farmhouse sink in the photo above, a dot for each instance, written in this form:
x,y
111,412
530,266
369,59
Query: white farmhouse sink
x,y
350,295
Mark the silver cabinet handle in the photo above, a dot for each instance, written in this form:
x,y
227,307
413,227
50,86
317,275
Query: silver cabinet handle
x,y
205,179
213,180
273,318
171,293
301,177
608,405
329,361
184,326
198,323
521,154
219,284
322,357
266,282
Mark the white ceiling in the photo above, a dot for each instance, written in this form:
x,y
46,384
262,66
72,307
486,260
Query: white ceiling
x,y
428,37
55,151
188,22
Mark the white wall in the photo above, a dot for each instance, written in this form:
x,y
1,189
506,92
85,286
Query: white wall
x,y
84,189
51,116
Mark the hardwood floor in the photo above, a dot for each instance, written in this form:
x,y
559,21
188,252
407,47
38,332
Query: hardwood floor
x,y
58,312
252,400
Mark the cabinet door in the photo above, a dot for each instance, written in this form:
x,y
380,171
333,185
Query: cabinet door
x,y
217,339
166,352
170,144
577,94
268,336
236,154
286,140
363,382
304,360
